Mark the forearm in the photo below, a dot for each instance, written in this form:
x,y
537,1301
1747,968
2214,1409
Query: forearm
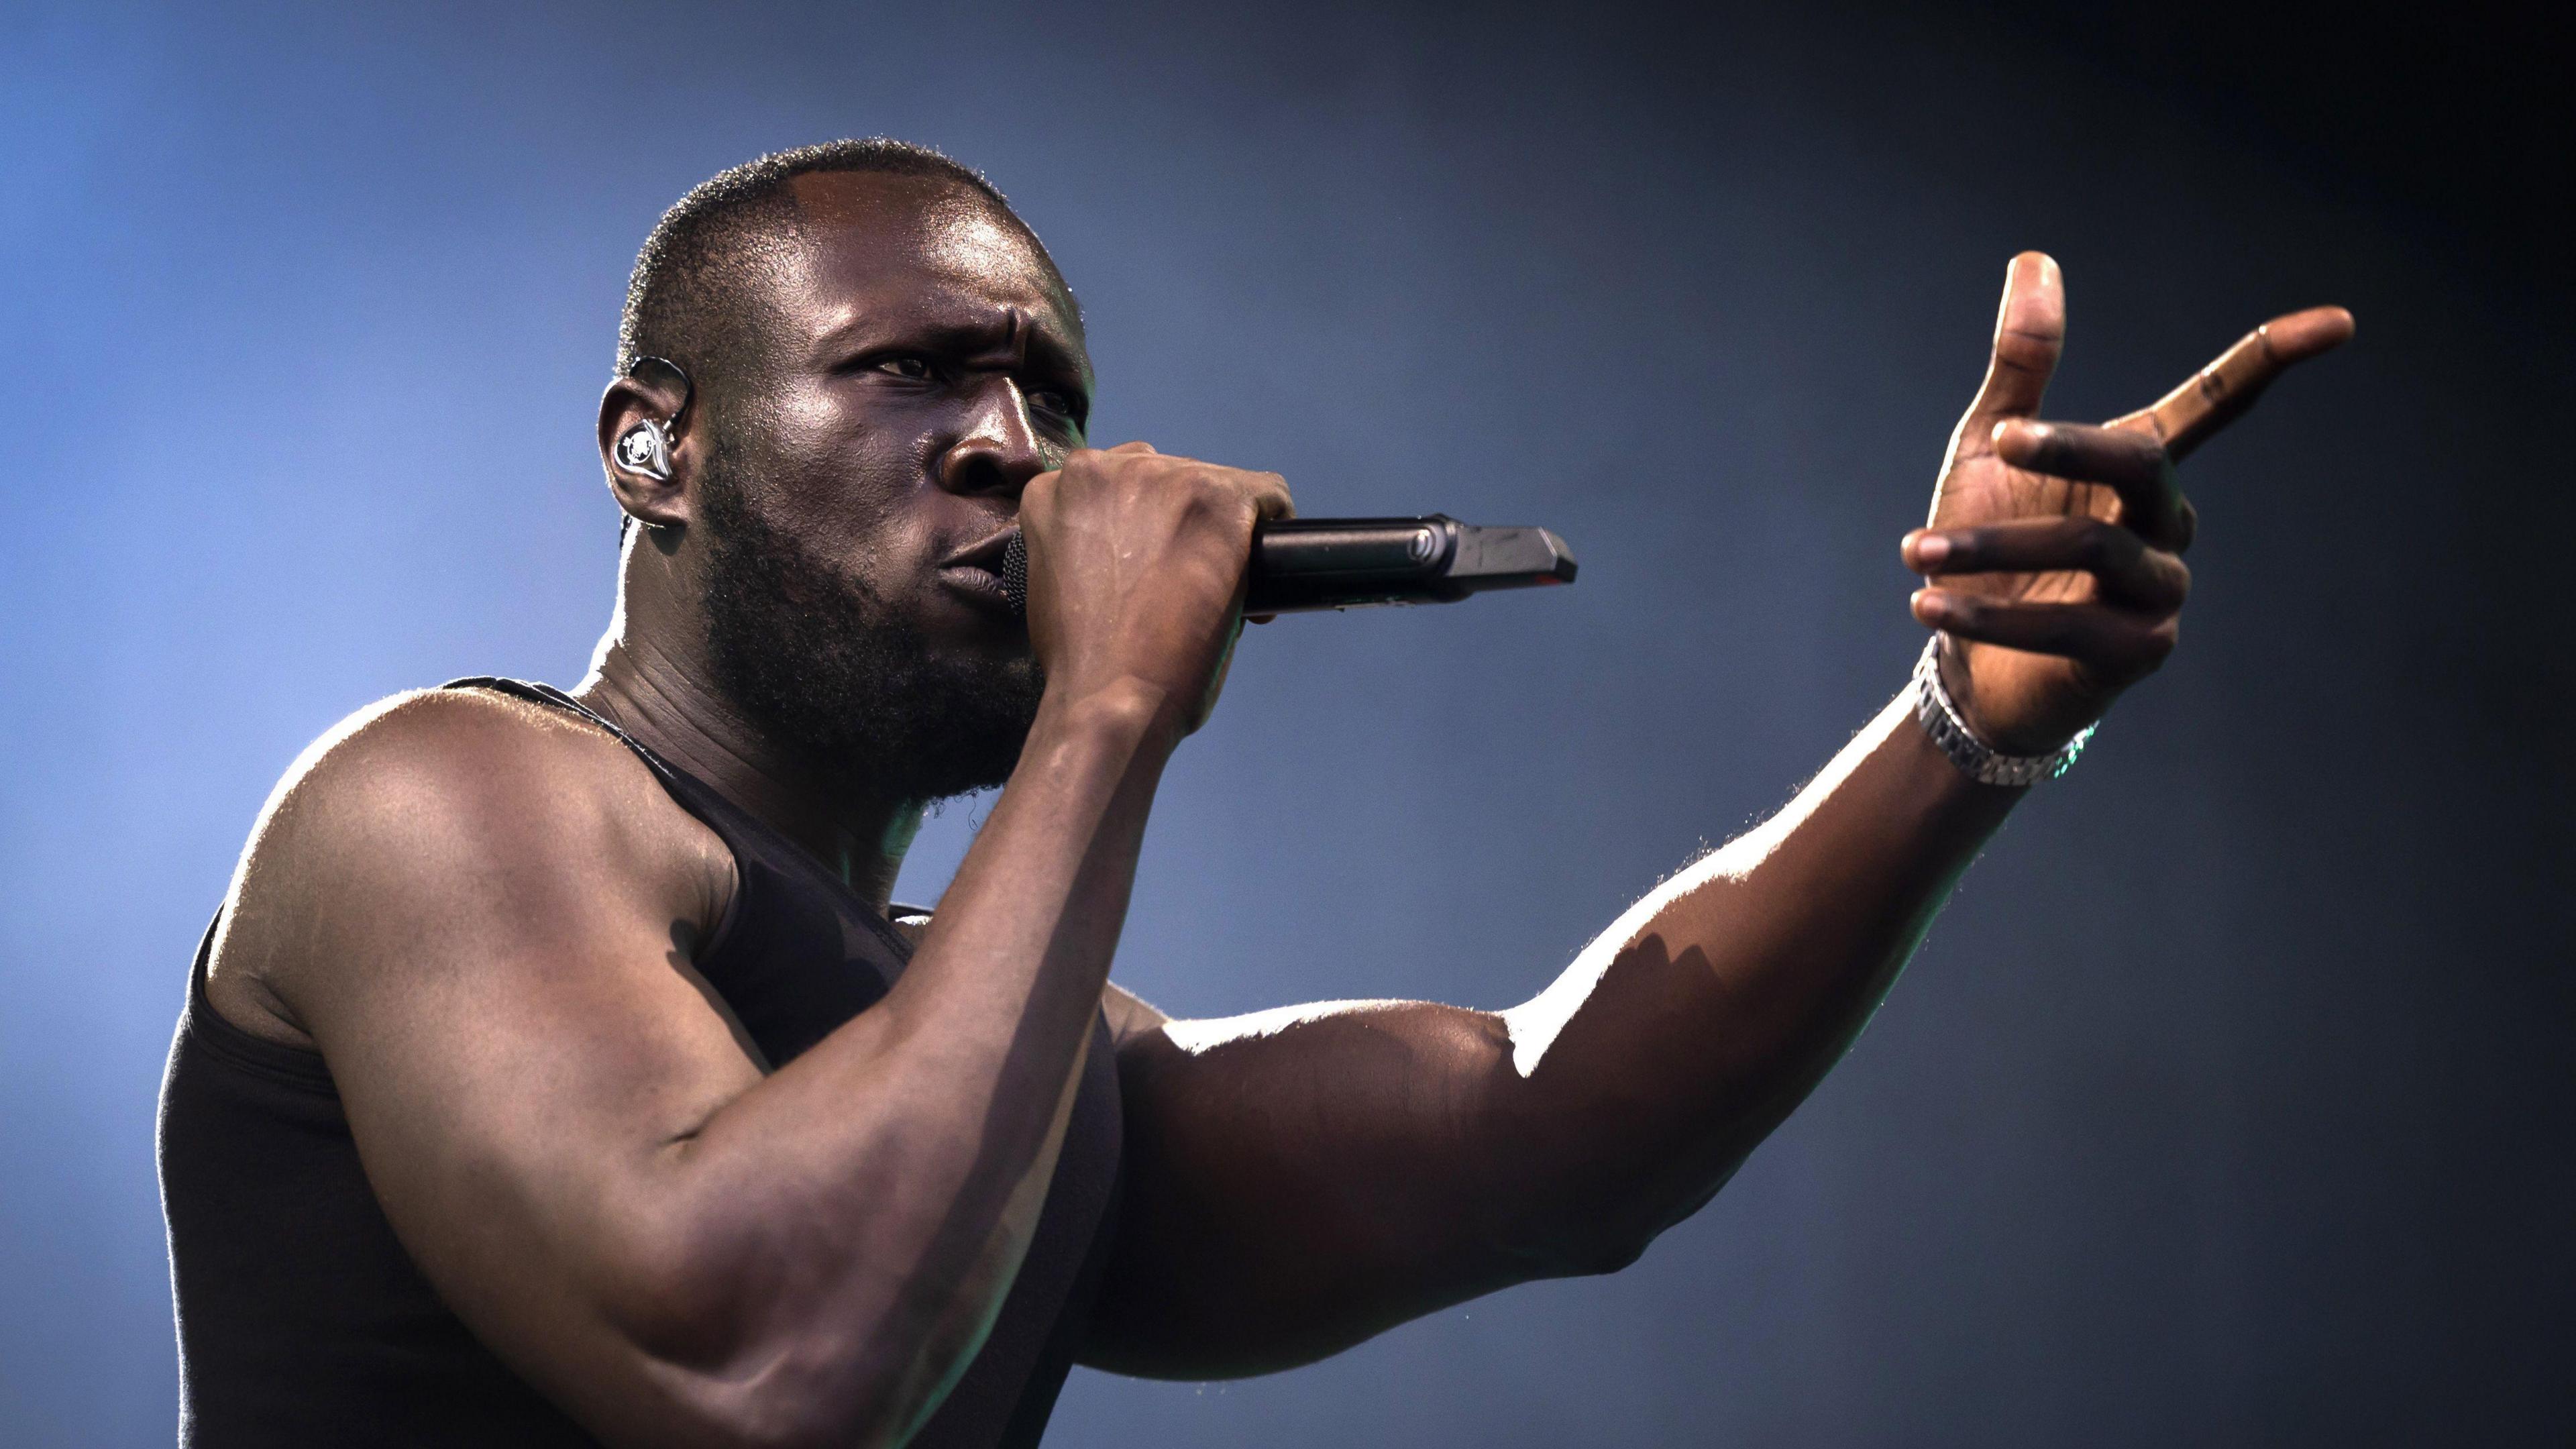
x,y
1437,1154
941,1110
1689,1029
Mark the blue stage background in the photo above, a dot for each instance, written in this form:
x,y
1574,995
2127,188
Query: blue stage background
x,y
2230,1103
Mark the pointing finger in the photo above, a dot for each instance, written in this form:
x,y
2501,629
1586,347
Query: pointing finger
x,y
2195,412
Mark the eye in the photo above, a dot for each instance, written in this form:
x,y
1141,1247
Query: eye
x,y
911,369
1048,400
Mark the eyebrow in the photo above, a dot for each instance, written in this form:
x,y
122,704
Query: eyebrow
x,y
960,335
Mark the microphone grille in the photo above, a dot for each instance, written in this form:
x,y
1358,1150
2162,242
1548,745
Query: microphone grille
x,y
1015,573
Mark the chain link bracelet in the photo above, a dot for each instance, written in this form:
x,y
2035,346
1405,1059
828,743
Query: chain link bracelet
x,y
1975,758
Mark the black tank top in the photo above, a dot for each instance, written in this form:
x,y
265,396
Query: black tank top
x,y
303,1321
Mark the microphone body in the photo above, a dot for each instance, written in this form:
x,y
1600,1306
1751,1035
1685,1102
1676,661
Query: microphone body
x,y
1300,565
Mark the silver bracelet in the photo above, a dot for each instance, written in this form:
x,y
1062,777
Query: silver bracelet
x,y
1980,761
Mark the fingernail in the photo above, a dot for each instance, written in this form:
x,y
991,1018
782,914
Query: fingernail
x,y
1931,549
1930,607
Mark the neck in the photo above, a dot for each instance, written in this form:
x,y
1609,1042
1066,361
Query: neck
x,y
669,702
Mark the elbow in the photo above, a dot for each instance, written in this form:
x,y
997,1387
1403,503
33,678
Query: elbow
x,y
1584,1251
759,1326
1580,1238
1599,1234
1606,1253
724,1371
1587,1191
1600,1222
788,1424
792,1397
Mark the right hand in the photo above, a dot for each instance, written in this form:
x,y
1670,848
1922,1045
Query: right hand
x,y
1136,573
2054,557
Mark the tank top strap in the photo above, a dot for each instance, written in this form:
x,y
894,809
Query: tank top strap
x,y
536,692
701,799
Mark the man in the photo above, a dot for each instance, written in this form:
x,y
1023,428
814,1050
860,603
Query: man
x,y
555,1072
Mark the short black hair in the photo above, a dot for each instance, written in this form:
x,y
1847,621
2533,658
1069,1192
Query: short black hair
x,y
674,302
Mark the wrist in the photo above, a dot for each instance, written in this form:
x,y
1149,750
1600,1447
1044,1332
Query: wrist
x,y
1947,721
2053,728
1126,713
1958,684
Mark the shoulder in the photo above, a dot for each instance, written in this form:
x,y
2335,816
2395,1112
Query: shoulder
x,y
434,770
438,810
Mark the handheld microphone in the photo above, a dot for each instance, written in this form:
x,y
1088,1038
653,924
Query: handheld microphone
x,y
1300,565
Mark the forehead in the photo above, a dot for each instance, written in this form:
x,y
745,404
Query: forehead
x,y
880,251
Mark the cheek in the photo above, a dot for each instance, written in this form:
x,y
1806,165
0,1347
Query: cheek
x,y
836,478
857,489
888,550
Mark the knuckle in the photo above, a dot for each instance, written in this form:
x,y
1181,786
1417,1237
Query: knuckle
x,y
1211,497
2097,544
2018,351
1087,472
1957,616
2156,645
1199,496
2158,580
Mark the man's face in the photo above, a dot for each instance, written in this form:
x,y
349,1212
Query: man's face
x,y
918,365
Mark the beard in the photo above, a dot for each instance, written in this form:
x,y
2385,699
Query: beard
x,y
845,683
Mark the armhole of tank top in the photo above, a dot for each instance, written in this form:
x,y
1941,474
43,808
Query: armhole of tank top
x,y
236,1045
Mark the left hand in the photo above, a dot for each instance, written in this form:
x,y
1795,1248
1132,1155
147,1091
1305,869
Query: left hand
x,y
2054,555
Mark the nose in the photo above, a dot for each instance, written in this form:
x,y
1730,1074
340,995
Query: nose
x,y
999,451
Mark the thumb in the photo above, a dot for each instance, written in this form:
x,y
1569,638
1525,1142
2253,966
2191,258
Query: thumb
x,y
2030,331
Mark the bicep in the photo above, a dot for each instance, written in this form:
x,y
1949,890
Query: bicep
x,y
1299,1181
515,1103
494,967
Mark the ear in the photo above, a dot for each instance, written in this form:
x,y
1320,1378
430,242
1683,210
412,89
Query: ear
x,y
629,404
